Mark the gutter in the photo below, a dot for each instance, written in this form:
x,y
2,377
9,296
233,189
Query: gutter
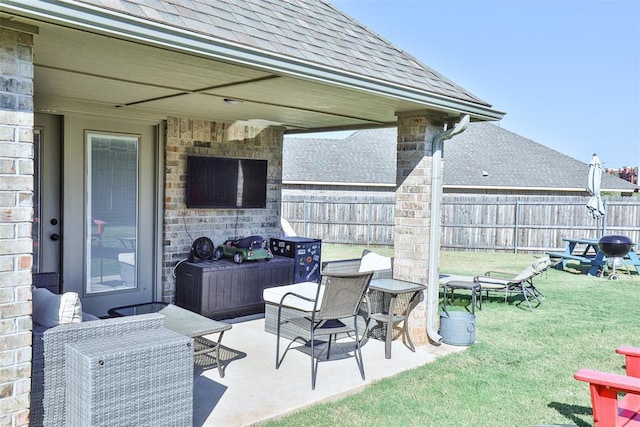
x,y
341,183
103,21
434,226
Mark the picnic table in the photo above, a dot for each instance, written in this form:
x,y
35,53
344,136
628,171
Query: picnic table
x,y
587,252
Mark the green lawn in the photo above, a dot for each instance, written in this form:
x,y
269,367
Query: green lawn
x,y
520,370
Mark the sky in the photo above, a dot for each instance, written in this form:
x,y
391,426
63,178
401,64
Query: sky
x,y
566,72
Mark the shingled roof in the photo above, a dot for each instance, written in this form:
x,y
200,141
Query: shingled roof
x,y
312,31
484,156
365,158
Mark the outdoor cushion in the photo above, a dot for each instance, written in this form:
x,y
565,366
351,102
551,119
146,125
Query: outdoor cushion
x,y
51,309
541,264
306,289
372,261
88,316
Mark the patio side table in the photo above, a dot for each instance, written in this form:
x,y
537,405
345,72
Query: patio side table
x,y
184,322
390,312
473,286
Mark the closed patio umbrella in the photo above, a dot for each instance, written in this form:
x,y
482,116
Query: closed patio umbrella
x,y
595,203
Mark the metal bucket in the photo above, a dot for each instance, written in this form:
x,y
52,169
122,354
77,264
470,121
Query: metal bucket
x,y
457,328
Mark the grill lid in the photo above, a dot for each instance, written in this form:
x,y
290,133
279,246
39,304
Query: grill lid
x,y
615,246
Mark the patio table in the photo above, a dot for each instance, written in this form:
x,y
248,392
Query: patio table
x,y
184,322
394,288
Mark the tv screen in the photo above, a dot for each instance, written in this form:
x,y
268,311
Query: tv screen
x,y
216,182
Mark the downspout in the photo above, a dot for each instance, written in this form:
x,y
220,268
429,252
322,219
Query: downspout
x,y
434,235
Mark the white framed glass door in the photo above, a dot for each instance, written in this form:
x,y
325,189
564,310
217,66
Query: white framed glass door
x,y
111,198
112,211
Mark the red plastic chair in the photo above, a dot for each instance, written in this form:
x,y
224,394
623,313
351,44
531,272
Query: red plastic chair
x,y
608,409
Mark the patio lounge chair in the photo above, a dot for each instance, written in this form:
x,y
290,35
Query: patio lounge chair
x,y
509,283
330,313
608,409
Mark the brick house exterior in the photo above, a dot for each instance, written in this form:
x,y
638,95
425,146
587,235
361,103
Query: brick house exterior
x,y
326,96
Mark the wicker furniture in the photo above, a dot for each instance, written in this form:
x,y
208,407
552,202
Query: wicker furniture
x,y
183,322
333,312
48,376
143,378
391,302
47,280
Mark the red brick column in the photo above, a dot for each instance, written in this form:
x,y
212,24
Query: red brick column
x,y
416,132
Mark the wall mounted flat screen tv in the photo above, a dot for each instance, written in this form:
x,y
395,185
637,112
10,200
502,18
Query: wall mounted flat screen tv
x,y
217,182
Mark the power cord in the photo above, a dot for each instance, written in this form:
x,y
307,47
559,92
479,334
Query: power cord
x,y
184,222
175,267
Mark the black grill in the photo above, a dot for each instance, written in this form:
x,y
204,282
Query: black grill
x,y
615,246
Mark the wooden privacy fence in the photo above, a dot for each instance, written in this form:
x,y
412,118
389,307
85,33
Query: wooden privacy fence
x,y
469,222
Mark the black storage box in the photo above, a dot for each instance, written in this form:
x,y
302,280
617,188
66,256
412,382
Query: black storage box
x,y
223,289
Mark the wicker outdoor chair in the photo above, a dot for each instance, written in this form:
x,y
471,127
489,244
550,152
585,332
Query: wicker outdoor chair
x,y
333,312
49,371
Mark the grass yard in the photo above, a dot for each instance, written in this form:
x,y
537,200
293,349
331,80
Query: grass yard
x,y
520,370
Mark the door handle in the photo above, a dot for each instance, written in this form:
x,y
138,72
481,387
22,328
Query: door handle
x,y
55,237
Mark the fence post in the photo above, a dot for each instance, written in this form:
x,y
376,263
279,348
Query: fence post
x,y
516,227
368,222
304,218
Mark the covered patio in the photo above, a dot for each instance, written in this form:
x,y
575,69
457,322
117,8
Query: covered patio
x,y
157,82
252,390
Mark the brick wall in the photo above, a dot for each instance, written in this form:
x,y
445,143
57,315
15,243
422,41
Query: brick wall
x,y
416,132
16,212
181,225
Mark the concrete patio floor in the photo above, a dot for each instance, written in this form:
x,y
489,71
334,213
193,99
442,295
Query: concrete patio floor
x,y
252,390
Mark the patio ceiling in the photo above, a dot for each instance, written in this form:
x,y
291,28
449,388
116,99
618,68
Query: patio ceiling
x,y
85,69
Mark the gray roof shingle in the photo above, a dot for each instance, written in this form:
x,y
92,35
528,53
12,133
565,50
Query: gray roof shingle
x,y
307,30
365,157
509,160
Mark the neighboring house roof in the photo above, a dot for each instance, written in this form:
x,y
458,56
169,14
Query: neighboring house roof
x,y
365,157
513,161
509,160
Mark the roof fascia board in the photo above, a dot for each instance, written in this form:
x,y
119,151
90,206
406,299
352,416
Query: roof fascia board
x,y
343,184
102,21
18,26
